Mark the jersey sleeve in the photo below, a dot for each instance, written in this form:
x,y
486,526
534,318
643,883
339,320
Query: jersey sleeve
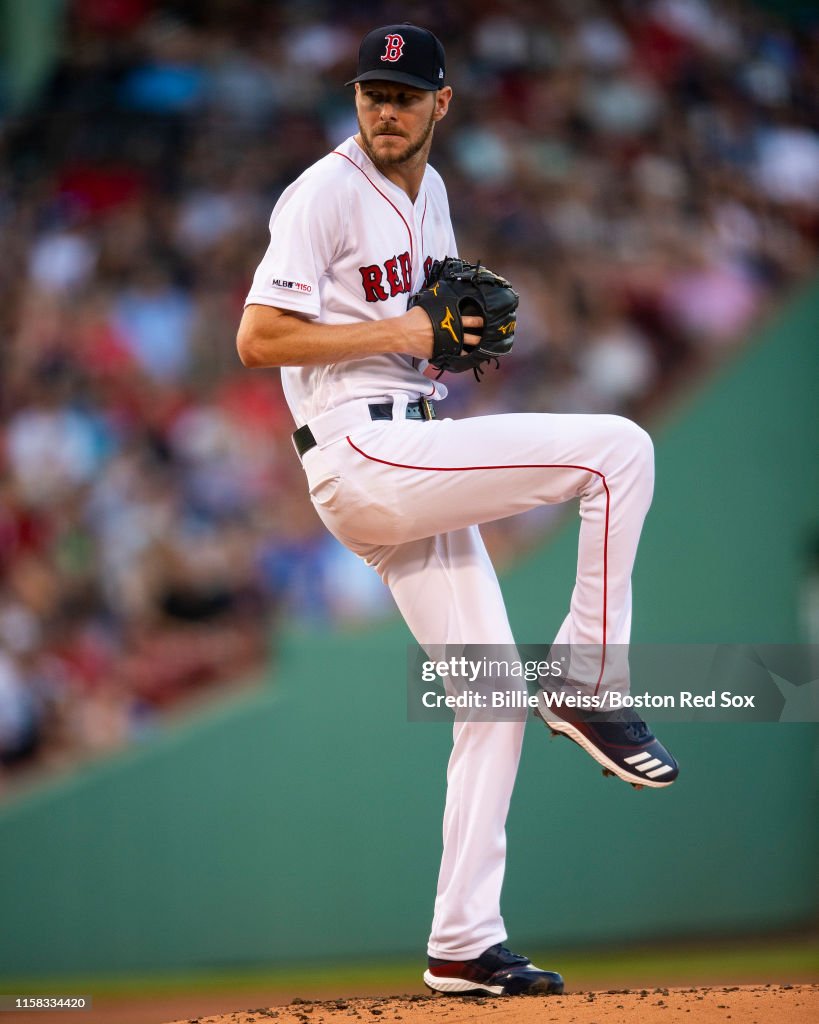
x,y
305,228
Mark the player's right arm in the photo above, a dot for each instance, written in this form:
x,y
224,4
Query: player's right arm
x,y
269,336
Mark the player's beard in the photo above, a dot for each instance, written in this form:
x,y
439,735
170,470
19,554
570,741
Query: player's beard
x,y
400,156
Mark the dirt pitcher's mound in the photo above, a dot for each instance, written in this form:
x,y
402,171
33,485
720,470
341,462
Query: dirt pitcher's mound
x,y
769,1004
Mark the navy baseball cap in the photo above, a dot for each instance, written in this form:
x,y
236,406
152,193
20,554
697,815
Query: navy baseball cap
x,y
402,53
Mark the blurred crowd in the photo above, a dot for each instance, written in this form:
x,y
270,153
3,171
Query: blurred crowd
x,y
645,171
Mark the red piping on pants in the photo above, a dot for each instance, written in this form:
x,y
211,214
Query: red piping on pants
x,y
535,465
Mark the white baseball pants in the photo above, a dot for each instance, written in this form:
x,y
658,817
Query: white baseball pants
x,y
407,495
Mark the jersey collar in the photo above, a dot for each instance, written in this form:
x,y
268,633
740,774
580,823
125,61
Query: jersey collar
x,y
351,149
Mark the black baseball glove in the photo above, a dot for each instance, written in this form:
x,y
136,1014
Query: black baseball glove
x,y
454,289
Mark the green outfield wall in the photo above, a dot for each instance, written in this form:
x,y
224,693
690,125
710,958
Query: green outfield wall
x,y
303,818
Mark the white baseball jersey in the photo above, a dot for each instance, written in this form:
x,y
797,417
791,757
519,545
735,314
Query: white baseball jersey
x,y
347,245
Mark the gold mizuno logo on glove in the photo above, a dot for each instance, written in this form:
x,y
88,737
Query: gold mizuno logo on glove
x,y
508,327
446,325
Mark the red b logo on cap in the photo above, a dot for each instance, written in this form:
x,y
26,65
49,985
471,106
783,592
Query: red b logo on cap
x,y
395,47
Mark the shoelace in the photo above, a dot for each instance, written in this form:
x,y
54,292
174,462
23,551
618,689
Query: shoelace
x,y
632,725
637,731
509,957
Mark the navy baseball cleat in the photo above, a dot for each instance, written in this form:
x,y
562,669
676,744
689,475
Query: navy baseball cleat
x,y
623,744
496,972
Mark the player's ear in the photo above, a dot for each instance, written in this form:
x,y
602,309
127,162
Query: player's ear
x,y
442,98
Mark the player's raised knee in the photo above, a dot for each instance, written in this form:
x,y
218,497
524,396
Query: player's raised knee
x,y
641,440
633,442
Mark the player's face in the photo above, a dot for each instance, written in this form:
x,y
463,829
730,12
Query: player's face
x,y
396,121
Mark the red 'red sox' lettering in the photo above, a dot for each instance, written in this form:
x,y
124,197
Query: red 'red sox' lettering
x,y
394,278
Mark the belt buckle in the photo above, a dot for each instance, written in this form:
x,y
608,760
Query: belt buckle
x,y
427,412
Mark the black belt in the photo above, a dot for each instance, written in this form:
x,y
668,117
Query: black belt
x,y
422,410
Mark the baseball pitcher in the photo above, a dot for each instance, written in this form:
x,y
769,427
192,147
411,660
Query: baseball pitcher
x,y
360,291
